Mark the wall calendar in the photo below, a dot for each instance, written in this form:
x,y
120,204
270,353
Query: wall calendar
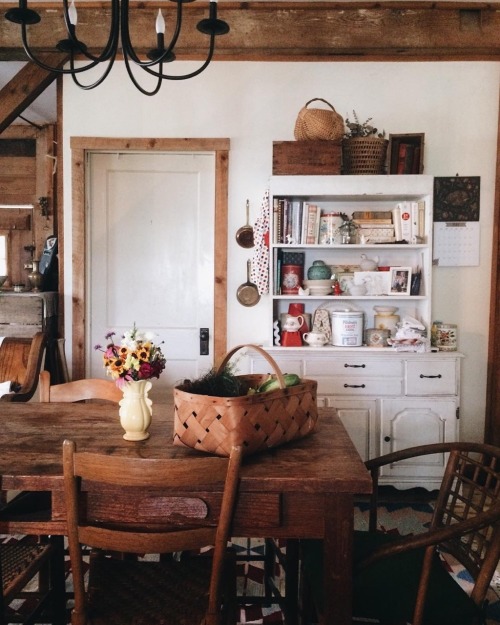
x,y
456,221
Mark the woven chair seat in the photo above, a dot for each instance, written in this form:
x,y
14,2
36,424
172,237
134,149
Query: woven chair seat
x,y
19,563
141,593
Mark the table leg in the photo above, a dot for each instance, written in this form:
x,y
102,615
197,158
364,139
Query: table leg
x,y
292,582
339,527
58,581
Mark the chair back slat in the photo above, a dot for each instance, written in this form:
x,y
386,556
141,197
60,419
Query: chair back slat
x,y
78,390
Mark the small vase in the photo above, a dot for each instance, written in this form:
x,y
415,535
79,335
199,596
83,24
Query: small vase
x,y
35,277
135,410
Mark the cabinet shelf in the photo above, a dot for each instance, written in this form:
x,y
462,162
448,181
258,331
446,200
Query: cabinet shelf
x,y
351,195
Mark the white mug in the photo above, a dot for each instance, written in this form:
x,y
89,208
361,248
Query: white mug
x,y
315,338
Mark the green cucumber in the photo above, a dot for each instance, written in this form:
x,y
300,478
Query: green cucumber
x,y
272,384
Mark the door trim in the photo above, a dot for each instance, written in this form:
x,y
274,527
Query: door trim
x,y
79,147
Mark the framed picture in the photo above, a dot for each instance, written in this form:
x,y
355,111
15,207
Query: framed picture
x,y
400,280
406,154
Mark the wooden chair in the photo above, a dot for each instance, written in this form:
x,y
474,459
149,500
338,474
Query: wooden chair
x,y
401,579
78,390
140,591
20,363
20,563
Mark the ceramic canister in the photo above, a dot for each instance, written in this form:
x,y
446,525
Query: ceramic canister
x,y
376,338
386,321
347,328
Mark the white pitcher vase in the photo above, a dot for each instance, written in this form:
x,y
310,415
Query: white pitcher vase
x,y
135,410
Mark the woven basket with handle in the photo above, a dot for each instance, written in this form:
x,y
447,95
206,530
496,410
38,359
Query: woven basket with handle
x,y
256,422
319,124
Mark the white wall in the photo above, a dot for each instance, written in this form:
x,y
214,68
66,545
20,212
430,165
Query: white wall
x,y
254,104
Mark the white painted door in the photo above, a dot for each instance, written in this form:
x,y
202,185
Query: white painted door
x,y
151,257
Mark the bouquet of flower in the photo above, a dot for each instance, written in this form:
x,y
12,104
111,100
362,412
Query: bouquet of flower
x,y
136,358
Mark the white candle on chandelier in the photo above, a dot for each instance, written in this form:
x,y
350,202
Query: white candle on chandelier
x,y
72,14
160,23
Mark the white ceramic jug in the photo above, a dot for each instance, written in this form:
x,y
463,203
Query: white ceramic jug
x,y
292,324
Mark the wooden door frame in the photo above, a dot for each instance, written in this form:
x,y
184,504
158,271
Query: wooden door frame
x,y
79,148
492,416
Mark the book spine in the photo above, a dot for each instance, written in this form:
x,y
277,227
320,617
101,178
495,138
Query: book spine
x,y
421,220
405,208
276,220
396,220
318,223
415,237
311,223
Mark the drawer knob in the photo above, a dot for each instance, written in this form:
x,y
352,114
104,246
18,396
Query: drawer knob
x,y
354,366
387,439
354,386
431,376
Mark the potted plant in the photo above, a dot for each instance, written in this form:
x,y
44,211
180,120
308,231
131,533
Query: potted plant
x,y
364,148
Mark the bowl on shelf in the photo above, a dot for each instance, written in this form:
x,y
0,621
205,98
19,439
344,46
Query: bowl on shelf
x,y
389,310
318,287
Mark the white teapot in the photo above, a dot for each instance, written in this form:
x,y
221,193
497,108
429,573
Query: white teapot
x,y
368,264
315,339
293,324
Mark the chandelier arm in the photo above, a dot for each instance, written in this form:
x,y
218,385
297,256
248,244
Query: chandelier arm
x,y
127,47
74,75
130,73
191,74
49,68
113,37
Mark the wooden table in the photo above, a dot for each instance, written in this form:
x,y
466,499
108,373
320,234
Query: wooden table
x,y
304,489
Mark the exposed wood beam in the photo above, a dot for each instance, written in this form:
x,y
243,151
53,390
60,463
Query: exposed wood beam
x,y
25,87
280,31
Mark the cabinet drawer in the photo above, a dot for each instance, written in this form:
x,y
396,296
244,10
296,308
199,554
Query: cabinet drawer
x,y
353,365
359,386
431,377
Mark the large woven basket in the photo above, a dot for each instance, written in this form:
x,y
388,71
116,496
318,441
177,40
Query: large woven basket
x,y
364,155
319,124
256,422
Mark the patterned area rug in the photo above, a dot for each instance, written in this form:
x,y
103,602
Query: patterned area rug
x,y
403,519
395,518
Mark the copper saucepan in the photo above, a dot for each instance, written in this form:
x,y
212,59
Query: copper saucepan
x,y
248,293
244,235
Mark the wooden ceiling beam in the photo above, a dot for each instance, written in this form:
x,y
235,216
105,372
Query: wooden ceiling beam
x,y
25,87
280,31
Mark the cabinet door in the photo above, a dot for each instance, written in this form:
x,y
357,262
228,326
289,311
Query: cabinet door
x,y
360,420
409,422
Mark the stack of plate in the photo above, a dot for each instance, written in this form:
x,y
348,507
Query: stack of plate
x,y
318,287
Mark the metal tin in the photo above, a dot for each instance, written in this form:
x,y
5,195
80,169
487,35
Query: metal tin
x,y
446,337
292,277
347,328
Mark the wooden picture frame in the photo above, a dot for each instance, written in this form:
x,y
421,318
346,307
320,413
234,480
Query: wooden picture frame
x,y
400,281
405,154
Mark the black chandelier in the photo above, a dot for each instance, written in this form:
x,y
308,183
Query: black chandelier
x,y
119,30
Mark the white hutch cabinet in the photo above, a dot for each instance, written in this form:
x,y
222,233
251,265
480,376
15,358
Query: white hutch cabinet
x,y
387,400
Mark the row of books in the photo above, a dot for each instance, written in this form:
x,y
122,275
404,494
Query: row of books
x,y
406,159
297,222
